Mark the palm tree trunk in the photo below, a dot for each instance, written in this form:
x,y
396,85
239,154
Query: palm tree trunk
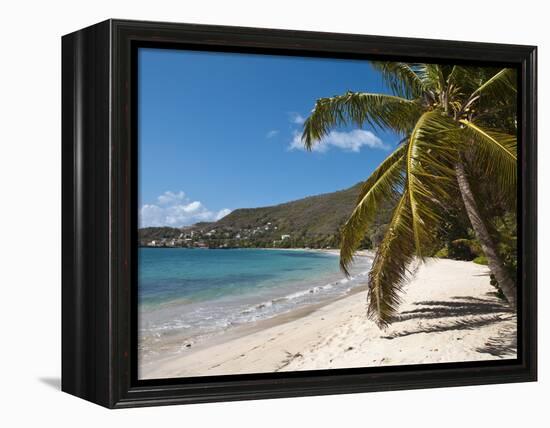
x,y
505,283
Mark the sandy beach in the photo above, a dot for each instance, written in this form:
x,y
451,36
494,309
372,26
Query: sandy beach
x,y
449,313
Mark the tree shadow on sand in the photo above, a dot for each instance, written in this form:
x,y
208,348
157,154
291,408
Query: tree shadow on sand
x,y
458,307
470,313
505,344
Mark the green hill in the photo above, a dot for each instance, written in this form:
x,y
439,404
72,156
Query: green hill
x,y
314,215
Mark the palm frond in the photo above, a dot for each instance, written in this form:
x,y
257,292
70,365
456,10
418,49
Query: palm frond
x,y
420,174
502,82
492,93
389,268
385,182
470,78
401,77
430,76
497,103
377,110
429,162
495,154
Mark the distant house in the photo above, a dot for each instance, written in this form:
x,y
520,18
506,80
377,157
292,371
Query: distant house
x,y
283,237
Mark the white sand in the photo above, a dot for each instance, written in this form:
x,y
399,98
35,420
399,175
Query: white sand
x,y
449,313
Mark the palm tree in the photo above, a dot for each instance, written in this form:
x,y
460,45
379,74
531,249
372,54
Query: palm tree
x,y
453,119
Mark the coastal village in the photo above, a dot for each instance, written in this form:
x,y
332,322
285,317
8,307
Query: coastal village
x,y
267,235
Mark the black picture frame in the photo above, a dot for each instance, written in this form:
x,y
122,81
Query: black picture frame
x,y
99,214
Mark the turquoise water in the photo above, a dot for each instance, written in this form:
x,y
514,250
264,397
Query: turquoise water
x,y
199,292
167,274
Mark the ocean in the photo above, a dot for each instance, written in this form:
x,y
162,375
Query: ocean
x,y
193,294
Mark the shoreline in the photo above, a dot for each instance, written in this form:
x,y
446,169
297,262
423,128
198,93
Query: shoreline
x,y
440,309
334,251
154,347
242,331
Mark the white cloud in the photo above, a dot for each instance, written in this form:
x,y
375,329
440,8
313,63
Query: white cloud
x,y
192,207
351,141
170,197
176,210
272,133
297,118
222,213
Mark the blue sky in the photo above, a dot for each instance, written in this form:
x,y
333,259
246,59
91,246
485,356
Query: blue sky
x,y
220,131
